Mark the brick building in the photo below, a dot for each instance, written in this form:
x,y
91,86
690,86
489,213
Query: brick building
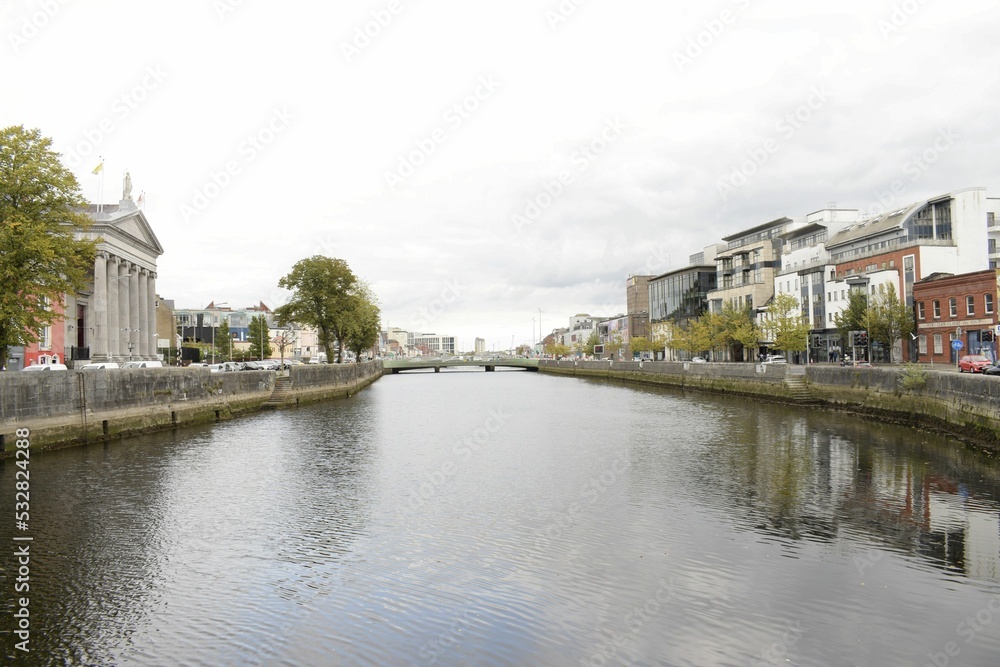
x,y
956,307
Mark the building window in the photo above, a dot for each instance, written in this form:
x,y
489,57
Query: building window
x,y
45,340
938,344
920,310
937,309
952,307
922,343
988,302
970,305
829,296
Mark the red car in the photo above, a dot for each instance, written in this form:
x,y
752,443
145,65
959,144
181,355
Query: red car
x,y
974,363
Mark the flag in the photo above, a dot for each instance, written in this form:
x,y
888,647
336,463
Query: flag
x,y
142,198
98,169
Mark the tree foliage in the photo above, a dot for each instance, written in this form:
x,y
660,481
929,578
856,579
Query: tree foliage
x,y
363,322
40,258
223,341
888,319
328,296
789,329
854,317
259,337
739,331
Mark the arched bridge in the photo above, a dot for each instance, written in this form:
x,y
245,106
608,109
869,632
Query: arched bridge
x,y
394,366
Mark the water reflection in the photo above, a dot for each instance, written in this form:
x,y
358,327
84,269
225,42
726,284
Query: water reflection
x,y
818,475
511,518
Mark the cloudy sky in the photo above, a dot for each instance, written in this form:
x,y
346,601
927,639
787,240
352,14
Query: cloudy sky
x,y
479,162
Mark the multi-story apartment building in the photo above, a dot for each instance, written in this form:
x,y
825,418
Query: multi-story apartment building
x,y
745,269
993,231
581,326
676,298
943,234
807,273
430,343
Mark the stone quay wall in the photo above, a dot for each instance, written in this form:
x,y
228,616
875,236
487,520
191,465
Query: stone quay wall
x,y
965,405
62,408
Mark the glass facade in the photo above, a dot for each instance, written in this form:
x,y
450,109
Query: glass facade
x,y
680,295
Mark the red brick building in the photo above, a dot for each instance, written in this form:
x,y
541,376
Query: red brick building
x,y
956,307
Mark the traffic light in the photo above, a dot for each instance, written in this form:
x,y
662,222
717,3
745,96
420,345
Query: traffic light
x,y
864,338
987,336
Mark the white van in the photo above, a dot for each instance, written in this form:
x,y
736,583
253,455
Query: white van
x,y
45,367
143,364
104,366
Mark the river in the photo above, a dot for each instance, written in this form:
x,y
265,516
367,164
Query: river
x,y
512,518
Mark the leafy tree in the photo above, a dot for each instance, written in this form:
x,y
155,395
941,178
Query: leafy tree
x,y
223,341
40,258
888,319
641,344
592,340
614,343
258,337
556,348
362,324
789,328
854,317
323,296
739,331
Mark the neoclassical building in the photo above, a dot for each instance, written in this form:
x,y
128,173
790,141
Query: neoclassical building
x,y
117,319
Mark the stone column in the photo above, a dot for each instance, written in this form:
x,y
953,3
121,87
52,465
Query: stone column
x,y
99,344
143,315
114,339
123,311
151,317
133,311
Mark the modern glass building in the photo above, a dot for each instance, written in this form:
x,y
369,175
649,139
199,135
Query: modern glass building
x,y
682,294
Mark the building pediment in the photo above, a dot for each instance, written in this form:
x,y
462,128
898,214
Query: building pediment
x,y
125,232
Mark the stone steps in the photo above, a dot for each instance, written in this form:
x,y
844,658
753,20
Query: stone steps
x,y
280,393
798,388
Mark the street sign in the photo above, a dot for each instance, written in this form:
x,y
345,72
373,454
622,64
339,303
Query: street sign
x,y
957,345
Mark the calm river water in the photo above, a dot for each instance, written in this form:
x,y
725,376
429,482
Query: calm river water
x,y
511,518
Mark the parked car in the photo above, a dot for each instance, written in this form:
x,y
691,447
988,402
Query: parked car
x,y
860,363
774,359
992,369
698,360
973,363
143,364
216,368
102,366
46,367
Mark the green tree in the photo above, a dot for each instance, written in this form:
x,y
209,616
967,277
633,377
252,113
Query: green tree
x,y
260,340
739,331
40,258
888,318
362,324
223,341
854,317
592,340
556,348
789,329
323,291
614,343
640,344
